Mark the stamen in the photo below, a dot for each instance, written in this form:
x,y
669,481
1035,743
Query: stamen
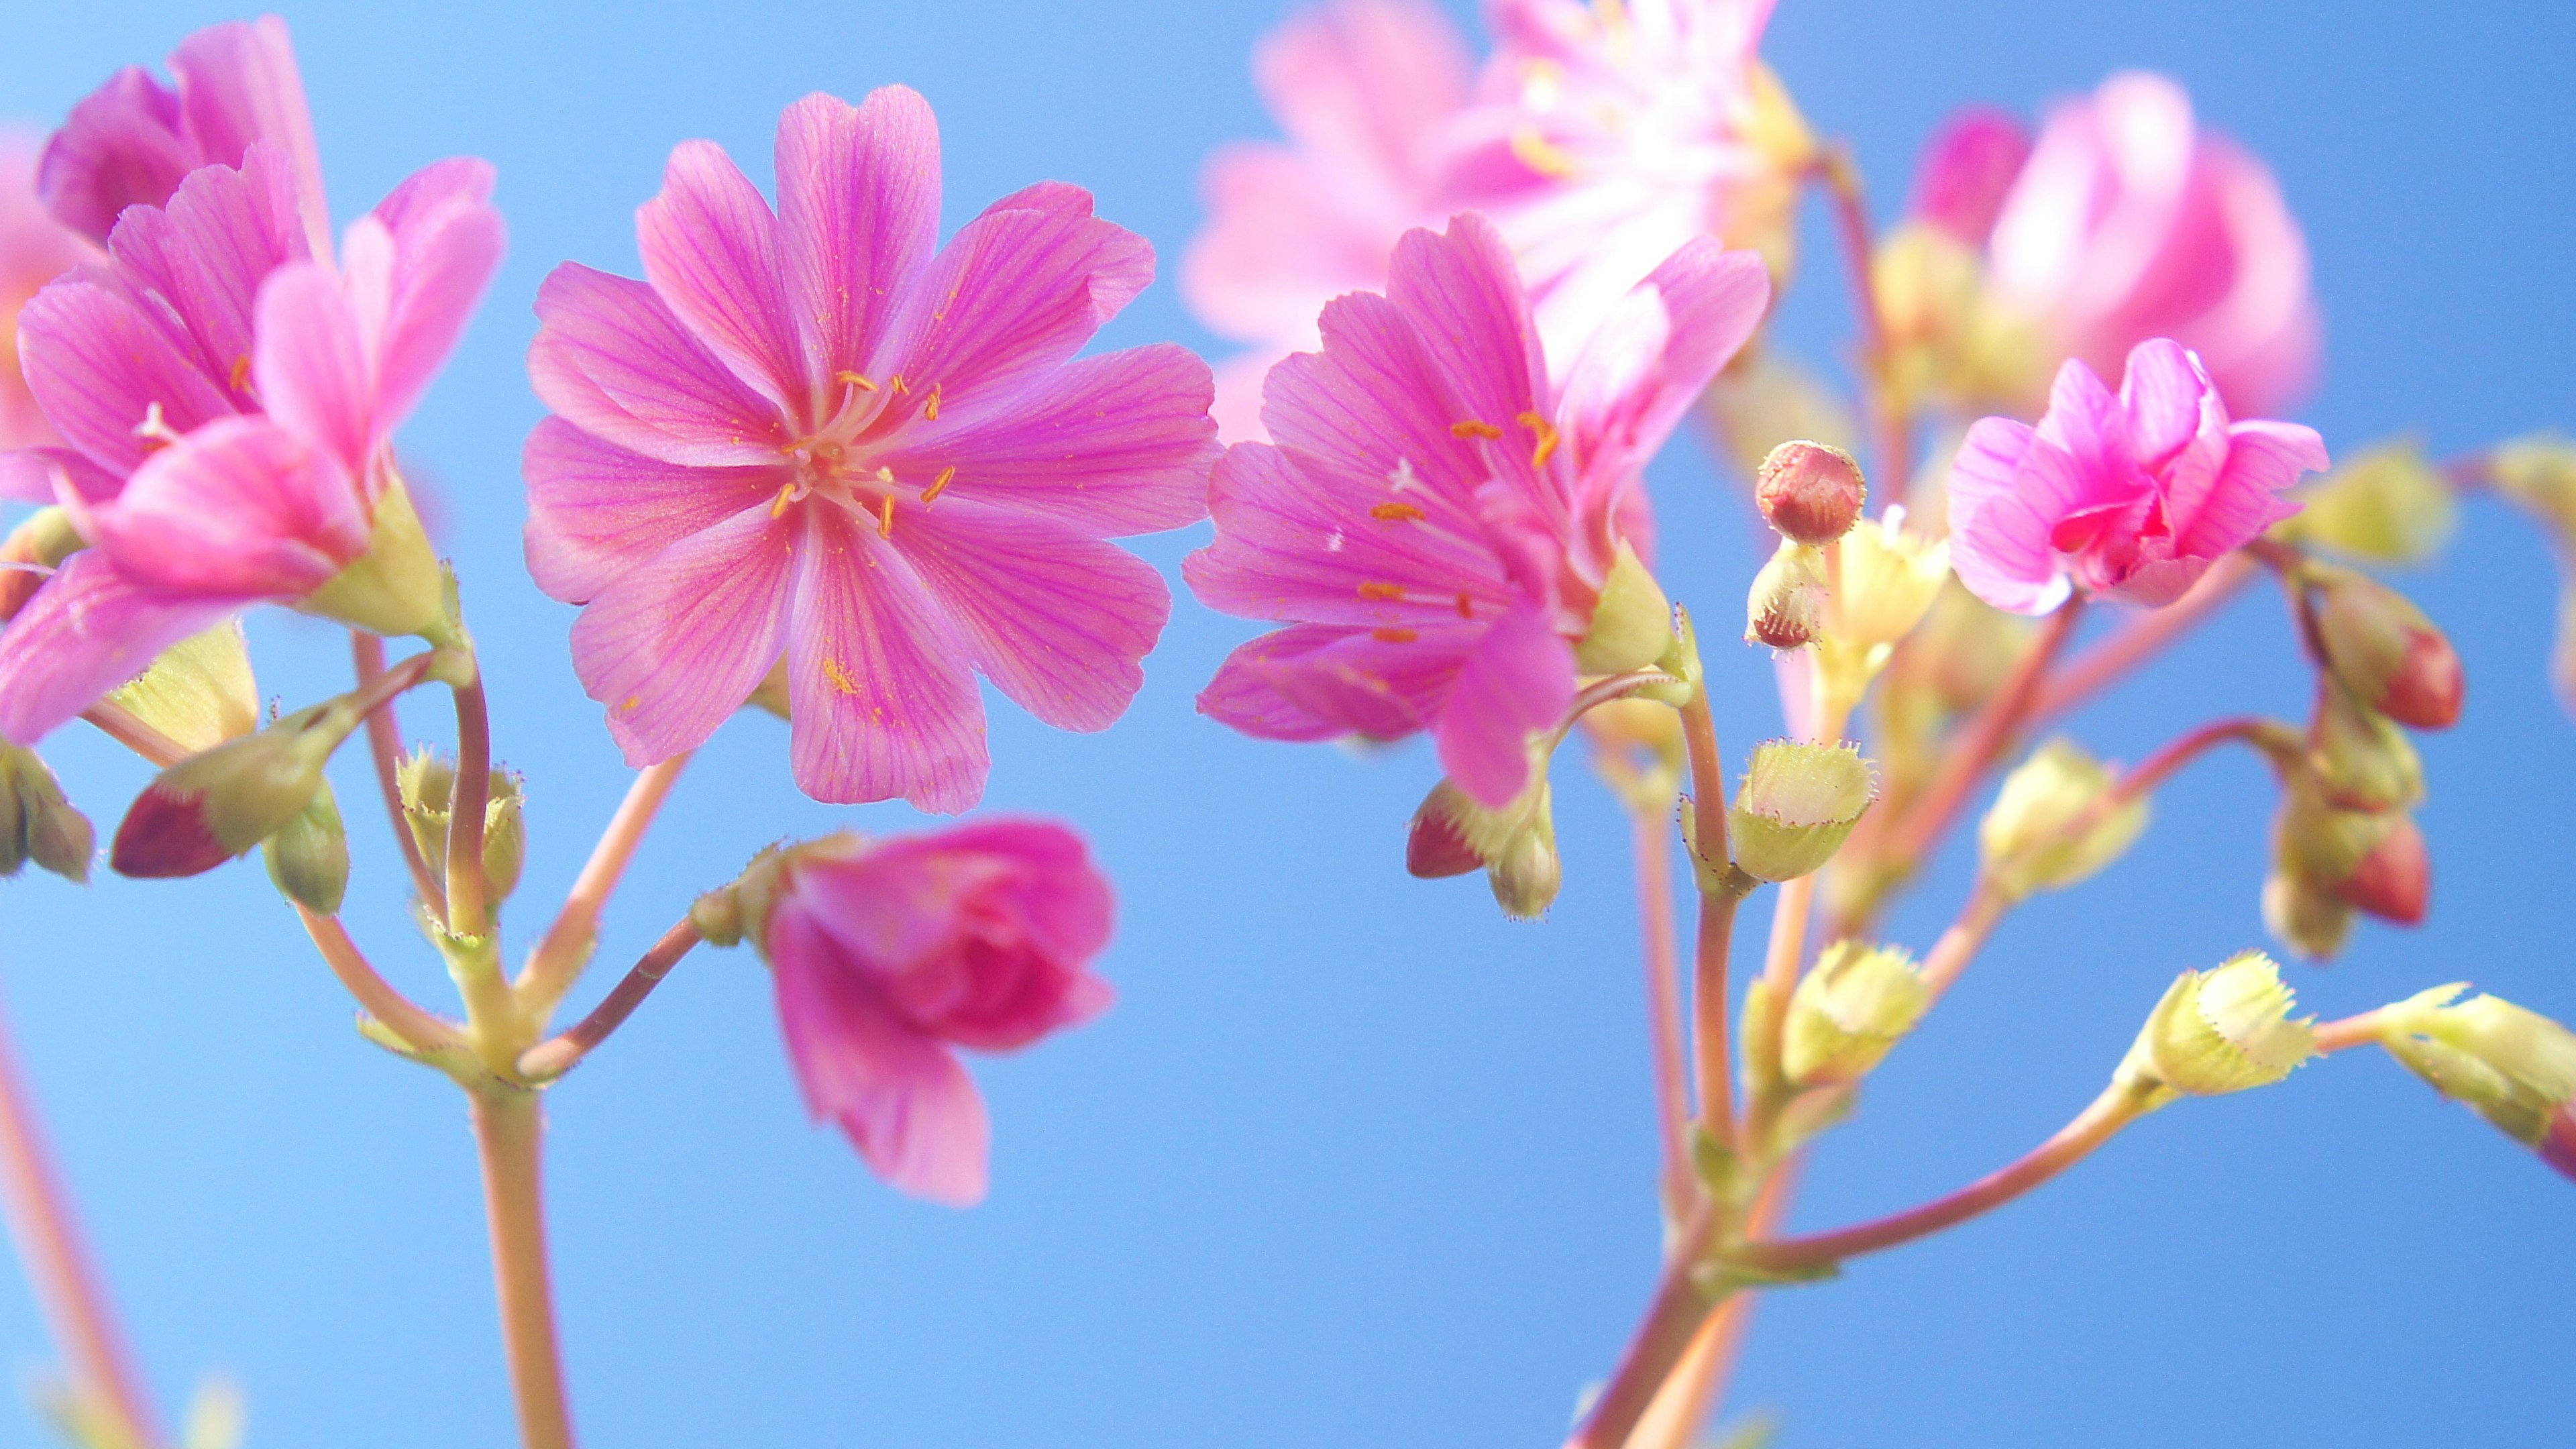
x,y
241,373
885,517
1466,605
1395,512
786,495
1474,429
1546,431
931,413
154,428
938,483
885,475
633,702
1382,591
1538,153
1394,636
858,380
896,382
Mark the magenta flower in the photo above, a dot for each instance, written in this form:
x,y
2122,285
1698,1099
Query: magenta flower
x,y
1366,91
154,368
748,447
34,249
133,140
2131,497
1437,516
1967,171
2130,222
889,955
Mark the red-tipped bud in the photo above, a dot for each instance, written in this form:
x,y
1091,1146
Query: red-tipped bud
x,y
1810,492
2558,1149
167,834
1435,848
2428,688
1786,607
2391,656
210,807
2394,880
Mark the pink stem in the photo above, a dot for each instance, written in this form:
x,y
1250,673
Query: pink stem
x,y
560,957
565,1051
1663,1000
384,744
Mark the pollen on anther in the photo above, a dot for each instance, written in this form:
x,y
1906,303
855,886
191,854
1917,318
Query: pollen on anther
x,y
1471,428
858,380
786,495
937,484
885,517
241,373
1394,636
1382,591
930,412
1395,512
1546,432
1466,605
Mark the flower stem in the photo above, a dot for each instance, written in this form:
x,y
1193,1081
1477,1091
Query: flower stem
x,y
1680,1305
114,721
1988,736
1892,431
422,1032
2119,1105
384,744
566,949
2141,639
1967,935
49,1248
468,912
1698,1379
551,1059
509,1129
1663,998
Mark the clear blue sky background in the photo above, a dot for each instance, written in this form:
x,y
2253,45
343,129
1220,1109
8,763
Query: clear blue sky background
x,y
1353,1161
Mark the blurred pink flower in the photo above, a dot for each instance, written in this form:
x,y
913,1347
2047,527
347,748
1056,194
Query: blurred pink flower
x,y
2130,222
747,447
1961,182
1365,90
2131,497
133,140
1437,516
891,954
34,249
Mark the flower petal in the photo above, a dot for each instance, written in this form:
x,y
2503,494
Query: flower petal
x,y
27,476
120,147
858,216
243,507
1293,541
88,630
612,358
882,701
1999,541
1518,682
223,233
1057,620
447,244
1111,445
711,250
238,84
1462,295
314,371
1370,405
1654,354
676,645
597,511
1322,681
98,365
2163,392
2263,459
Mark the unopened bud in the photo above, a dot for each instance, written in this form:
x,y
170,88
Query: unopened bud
x,y
199,693
1786,608
2514,1067
396,587
1435,844
1848,1011
1526,879
40,543
2313,924
37,823
1632,624
2359,760
2385,505
1889,580
2049,829
214,806
428,781
1796,805
2374,861
2221,1031
739,911
2383,648
308,858
1810,492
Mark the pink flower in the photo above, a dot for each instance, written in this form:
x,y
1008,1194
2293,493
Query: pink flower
x,y
1437,516
1966,172
2132,497
155,367
34,250
1365,90
2129,222
890,955
133,140
748,446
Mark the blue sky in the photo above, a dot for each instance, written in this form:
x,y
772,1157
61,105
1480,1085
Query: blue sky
x,y
1353,1160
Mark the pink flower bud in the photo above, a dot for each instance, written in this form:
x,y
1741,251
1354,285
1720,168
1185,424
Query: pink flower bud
x,y
2395,879
210,807
2558,1149
167,834
2393,657
1435,848
1810,492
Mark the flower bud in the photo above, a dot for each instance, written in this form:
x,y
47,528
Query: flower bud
x,y
2383,648
2516,1068
1525,880
1889,580
1786,608
1797,803
2372,860
37,823
1435,845
1516,845
41,542
2358,759
1632,624
1810,492
2046,831
2310,922
739,911
2221,1031
428,781
199,693
1848,1011
2385,505
397,586
308,859
213,806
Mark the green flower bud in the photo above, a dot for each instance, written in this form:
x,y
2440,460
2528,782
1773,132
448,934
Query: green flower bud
x,y
2386,505
1797,803
2514,1067
739,911
308,858
1848,1011
2221,1031
1786,607
428,781
1515,846
2375,860
1632,624
2386,652
199,693
1526,878
2359,760
2030,841
216,805
37,823
397,586
2312,923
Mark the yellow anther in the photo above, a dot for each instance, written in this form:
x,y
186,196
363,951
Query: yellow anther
x,y
1535,151
938,483
1474,429
1546,431
896,382
1394,512
931,412
633,701
885,517
1381,591
786,495
858,380
241,373
1394,636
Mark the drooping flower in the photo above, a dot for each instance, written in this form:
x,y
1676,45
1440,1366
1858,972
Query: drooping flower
x,y
1439,517
747,449
1366,91
227,400
133,140
892,954
2128,221
2130,496
34,249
